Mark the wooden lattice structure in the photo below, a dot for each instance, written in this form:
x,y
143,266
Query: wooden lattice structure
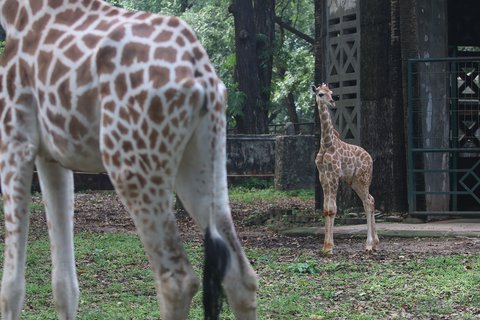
x,y
343,66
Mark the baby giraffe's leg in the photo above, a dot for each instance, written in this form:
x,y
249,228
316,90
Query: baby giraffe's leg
x,y
361,188
372,238
330,187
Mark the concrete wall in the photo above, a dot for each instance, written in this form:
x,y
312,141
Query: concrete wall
x,y
295,162
289,159
251,155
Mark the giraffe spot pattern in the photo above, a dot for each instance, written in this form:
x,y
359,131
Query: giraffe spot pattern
x,y
11,84
77,129
163,36
10,11
69,16
104,59
159,76
43,60
91,18
84,73
105,25
87,104
54,4
142,30
32,39
65,94
53,35
136,79
155,110
74,53
59,70
168,54
134,52
36,6
121,85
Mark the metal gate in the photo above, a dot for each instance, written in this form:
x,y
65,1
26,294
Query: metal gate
x,y
443,124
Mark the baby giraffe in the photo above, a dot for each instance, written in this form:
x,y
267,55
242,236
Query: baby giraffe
x,y
338,160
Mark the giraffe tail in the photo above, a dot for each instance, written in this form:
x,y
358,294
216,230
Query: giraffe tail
x,y
215,266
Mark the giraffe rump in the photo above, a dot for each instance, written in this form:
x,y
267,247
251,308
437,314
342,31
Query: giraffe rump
x,y
216,261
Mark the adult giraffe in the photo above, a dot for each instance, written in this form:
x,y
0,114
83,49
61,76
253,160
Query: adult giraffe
x,y
86,86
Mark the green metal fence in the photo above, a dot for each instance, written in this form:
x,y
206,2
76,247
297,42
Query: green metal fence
x,y
443,124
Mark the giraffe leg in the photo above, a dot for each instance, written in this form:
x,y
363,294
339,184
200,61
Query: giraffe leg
x,y
142,165
17,160
329,212
372,237
144,182
57,189
150,207
361,188
202,187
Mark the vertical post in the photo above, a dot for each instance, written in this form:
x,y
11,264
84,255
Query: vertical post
x,y
319,49
453,67
410,175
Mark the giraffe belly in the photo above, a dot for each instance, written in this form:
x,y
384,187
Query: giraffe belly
x,y
79,154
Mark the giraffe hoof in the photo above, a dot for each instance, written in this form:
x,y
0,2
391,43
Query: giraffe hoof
x,y
327,251
369,248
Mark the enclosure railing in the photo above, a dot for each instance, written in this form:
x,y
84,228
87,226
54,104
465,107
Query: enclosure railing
x,y
279,128
443,127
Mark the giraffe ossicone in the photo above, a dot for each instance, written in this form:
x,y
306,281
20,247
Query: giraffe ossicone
x,y
340,161
90,87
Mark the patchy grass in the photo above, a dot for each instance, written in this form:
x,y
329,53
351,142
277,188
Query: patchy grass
x,y
116,283
248,196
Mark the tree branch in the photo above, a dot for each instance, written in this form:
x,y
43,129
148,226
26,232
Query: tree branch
x,y
296,32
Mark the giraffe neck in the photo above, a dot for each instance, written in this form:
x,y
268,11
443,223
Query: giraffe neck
x,y
326,138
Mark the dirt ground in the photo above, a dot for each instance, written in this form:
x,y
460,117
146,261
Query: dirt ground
x,y
103,212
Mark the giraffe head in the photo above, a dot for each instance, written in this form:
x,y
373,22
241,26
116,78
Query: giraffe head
x,y
323,95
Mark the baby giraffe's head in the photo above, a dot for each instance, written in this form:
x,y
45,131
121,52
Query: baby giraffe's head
x,y
323,95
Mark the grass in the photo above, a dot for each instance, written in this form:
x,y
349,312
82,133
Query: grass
x,y
247,195
116,283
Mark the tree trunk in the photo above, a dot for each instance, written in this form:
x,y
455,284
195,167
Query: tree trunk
x,y
254,118
292,112
265,35
396,77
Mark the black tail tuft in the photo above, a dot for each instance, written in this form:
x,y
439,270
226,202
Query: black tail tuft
x,y
215,266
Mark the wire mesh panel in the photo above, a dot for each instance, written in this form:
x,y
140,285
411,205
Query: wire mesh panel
x,y
444,136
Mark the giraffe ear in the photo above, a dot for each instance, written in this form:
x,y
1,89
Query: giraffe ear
x,y
314,89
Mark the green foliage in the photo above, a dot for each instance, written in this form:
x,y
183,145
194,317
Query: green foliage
x,y
308,266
